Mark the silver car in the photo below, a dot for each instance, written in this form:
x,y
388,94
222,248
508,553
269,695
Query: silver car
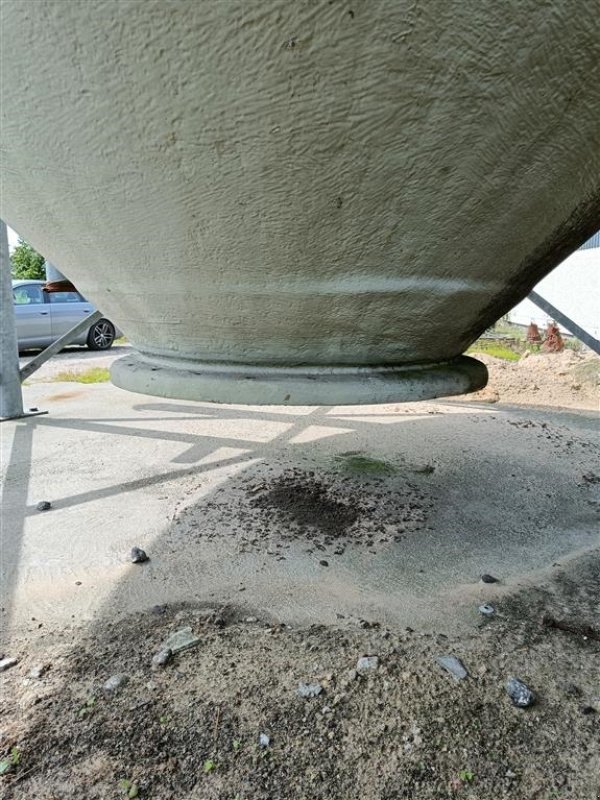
x,y
42,317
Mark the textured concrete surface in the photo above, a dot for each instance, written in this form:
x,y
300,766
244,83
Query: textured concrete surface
x,y
496,490
307,184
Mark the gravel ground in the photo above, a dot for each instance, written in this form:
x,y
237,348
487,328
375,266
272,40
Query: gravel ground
x,y
223,719
401,728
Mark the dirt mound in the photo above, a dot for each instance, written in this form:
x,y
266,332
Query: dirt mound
x,y
400,728
307,502
566,380
358,502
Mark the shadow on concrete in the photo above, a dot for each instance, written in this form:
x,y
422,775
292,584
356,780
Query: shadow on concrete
x,y
488,504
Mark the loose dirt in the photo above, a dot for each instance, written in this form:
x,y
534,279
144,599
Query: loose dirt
x,y
561,380
278,506
406,729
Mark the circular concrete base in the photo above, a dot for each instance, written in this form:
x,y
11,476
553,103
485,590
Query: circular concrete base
x,y
303,385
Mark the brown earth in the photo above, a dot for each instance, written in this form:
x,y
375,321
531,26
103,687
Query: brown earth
x,y
406,729
561,380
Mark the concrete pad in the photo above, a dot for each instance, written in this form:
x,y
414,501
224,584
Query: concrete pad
x,y
502,492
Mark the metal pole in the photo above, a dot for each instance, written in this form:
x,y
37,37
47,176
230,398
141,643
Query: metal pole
x,y
37,361
11,399
567,323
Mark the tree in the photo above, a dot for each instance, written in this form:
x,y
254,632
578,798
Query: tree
x,y
27,262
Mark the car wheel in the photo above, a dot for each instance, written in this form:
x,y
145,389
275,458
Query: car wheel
x,y
101,335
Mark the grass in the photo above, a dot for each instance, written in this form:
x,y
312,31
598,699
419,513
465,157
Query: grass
x,y
362,464
91,375
495,350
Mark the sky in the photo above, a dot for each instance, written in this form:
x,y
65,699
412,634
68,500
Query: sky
x,y
13,238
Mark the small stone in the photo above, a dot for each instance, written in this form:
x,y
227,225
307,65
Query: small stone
x,y
7,663
159,609
38,671
44,505
182,639
425,469
114,682
519,693
488,578
251,619
138,556
162,657
454,666
324,563
309,689
588,710
487,609
264,740
367,663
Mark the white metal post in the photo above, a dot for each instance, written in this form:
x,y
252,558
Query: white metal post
x,y
11,399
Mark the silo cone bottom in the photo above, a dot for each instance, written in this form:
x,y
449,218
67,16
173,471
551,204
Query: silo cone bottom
x,y
300,385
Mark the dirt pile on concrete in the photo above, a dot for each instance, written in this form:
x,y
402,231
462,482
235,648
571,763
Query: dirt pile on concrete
x,y
224,719
566,379
360,502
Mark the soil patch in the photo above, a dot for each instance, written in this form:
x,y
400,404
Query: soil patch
x,y
306,502
563,380
403,728
277,506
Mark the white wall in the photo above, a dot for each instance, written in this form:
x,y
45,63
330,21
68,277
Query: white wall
x,y
573,288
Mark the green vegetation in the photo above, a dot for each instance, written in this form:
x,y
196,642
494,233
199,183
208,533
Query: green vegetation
x,y
130,788
209,765
13,760
87,707
495,349
27,262
358,463
91,375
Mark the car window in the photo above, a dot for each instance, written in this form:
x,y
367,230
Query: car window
x,y
65,297
28,295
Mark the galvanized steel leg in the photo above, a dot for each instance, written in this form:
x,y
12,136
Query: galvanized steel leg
x,y
37,361
11,399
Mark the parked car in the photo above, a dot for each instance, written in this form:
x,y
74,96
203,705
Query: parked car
x,y
42,317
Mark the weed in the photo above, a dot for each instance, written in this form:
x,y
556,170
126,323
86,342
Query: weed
x,y
130,788
360,463
466,775
91,375
13,760
87,707
209,765
495,350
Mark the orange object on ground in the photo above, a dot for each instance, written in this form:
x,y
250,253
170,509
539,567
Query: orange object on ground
x,y
553,343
